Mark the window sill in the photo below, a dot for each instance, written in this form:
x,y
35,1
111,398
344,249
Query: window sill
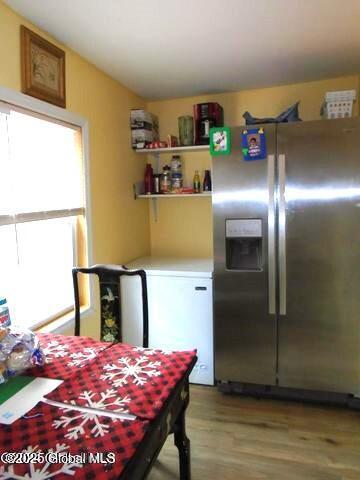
x,y
64,323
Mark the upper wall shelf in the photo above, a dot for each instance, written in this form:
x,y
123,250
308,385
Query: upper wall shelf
x,y
191,148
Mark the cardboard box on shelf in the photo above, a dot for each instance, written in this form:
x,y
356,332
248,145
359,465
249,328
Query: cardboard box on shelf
x,y
141,119
142,137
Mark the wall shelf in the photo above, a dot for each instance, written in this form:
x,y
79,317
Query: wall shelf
x,y
174,195
139,186
191,148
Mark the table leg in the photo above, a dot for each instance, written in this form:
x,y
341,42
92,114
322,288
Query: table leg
x,y
183,444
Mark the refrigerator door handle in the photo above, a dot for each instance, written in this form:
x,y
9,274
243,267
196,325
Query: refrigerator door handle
x,y
282,234
271,235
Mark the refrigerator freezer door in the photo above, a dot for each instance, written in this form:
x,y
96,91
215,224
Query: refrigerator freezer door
x,y
244,289
319,331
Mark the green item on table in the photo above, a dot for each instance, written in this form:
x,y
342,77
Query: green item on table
x,y
12,386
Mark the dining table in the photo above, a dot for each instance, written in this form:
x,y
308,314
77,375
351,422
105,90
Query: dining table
x,y
107,419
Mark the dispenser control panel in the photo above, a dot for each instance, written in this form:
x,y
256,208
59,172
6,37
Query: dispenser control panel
x,y
245,227
244,244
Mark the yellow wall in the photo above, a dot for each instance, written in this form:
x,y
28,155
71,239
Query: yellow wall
x,y
121,229
120,224
184,226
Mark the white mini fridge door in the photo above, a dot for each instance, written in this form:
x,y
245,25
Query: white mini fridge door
x,y
180,318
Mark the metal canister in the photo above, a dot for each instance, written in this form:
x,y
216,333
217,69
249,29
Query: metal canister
x,y
157,178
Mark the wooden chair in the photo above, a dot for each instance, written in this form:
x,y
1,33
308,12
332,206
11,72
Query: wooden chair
x,y
171,418
110,300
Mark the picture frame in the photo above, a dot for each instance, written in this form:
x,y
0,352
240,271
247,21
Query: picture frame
x,y
220,141
253,144
42,68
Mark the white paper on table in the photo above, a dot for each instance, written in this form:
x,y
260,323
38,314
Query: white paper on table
x,y
26,398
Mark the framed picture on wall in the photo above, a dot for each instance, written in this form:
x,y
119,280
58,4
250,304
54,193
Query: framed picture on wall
x,y
42,68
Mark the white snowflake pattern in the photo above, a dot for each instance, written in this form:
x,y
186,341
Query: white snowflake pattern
x,y
40,471
138,370
152,351
80,358
55,349
76,425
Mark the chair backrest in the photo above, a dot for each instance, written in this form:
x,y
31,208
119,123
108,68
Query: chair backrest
x,y
110,300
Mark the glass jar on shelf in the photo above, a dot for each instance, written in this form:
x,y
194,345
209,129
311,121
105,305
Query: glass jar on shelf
x,y
165,180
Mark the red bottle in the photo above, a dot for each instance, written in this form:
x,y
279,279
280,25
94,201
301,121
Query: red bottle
x,y
149,179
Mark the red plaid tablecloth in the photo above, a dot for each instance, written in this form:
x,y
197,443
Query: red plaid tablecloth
x,y
48,429
65,354
115,377
143,378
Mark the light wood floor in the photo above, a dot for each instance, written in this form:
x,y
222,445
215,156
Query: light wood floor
x,y
241,438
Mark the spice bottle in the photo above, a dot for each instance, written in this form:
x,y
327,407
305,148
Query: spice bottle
x,y
165,181
207,181
149,179
196,182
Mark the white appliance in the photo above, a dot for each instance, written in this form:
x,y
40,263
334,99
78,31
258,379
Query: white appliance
x,y
180,309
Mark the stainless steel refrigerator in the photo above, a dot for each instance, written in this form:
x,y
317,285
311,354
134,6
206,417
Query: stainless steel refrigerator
x,y
287,259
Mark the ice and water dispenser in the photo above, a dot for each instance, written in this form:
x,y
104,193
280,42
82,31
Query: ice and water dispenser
x,y
244,244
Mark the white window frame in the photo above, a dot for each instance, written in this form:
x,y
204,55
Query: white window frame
x,y
17,99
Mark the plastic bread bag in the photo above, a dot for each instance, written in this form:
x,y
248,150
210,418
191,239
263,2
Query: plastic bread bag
x,y
19,350
289,115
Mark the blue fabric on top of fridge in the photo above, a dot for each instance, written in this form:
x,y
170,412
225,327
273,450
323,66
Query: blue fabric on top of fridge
x,y
289,115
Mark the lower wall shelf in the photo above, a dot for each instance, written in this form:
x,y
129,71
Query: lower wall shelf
x,y
154,197
174,195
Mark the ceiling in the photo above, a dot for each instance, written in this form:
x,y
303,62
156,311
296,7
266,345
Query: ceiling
x,y
174,48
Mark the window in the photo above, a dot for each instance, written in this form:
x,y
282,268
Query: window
x,y
42,214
